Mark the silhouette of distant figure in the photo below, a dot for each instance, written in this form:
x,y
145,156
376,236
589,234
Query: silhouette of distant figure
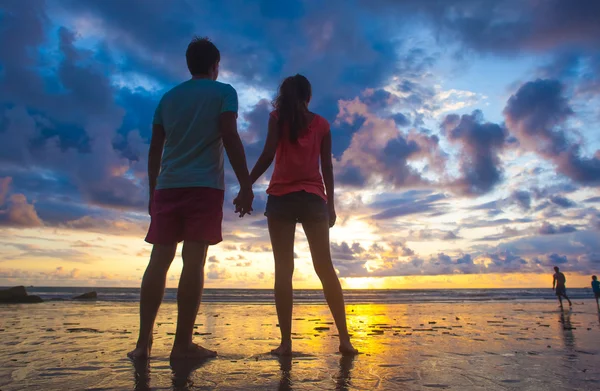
x,y
193,123
596,289
298,140
558,284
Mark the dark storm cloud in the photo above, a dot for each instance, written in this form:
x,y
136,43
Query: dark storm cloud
x,y
481,142
561,201
509,26
409,203
551,229
64,120
537,115
592,200
351,176
401,120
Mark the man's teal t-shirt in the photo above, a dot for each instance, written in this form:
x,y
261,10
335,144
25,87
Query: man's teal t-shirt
x,y
596,286
193,151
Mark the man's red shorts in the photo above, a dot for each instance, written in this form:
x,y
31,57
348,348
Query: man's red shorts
x,y
190,213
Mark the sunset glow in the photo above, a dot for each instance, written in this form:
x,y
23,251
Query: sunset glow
x,y
463,159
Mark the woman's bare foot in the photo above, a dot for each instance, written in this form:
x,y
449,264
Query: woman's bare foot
x,y
347,349
283,350
141,352
192,352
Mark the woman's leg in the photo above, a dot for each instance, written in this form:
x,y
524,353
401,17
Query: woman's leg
x,y
282,240
317,234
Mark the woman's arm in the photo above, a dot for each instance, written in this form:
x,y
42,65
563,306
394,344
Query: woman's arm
x,y
268,154
327,169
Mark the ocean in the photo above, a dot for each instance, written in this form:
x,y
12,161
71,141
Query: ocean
x,y
310,296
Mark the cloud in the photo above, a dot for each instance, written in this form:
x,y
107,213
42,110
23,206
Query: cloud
x,y
480,142
110,226
15,210
511,27
522,198
550,229
561,201
4,186
380,153
28,251
66,119
217,273
409,204
537,114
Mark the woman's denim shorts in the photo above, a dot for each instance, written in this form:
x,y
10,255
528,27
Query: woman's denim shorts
x,y
299,206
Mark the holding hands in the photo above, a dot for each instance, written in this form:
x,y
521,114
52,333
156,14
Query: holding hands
x,y
243,201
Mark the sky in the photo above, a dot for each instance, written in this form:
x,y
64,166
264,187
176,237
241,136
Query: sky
x,y
465,135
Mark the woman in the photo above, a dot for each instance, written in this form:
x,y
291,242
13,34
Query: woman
x,y
297,138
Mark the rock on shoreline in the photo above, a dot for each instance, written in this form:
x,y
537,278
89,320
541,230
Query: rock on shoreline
x,y
18,294
87,296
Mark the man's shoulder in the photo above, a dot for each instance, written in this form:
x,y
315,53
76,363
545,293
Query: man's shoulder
x,y
208,85
175,90
227,88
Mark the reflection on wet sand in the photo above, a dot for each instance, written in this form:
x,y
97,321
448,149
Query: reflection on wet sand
x,y
285,365
567,326
492,346
182,373
141,375
342,377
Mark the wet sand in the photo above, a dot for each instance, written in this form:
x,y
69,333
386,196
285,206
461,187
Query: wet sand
x,y
460,346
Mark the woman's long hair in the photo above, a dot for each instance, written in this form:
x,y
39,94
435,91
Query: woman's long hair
x,y
291,105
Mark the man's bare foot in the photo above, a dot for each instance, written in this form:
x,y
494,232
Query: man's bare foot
x,y
347,349
192,352
283,350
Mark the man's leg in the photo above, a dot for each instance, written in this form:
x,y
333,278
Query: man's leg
x,y
559,297
153,289
567,297
189,294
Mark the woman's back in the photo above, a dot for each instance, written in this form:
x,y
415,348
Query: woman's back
x,y
297,163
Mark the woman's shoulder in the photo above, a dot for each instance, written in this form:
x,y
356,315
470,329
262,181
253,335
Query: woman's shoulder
x,y
321,122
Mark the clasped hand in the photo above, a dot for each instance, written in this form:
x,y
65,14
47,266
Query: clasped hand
x,y
243,202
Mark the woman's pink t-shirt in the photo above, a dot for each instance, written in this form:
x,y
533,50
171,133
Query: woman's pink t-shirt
x,y
297,165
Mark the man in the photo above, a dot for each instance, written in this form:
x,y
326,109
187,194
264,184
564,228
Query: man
x,y
192,124
558,285
596,289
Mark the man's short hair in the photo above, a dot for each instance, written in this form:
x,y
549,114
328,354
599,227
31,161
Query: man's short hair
x,y
594,278
201,56
556,268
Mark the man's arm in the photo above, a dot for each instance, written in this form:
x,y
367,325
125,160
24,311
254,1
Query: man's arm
x,y
554,281
157,142
268,154
237,157
327,169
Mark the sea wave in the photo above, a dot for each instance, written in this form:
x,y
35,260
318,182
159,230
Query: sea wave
x,y
309,296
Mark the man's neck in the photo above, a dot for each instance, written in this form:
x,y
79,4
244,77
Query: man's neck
x,y
195,77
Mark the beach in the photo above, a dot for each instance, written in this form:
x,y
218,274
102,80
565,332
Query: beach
x,y
478,345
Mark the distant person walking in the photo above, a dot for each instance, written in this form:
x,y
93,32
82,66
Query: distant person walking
x,y
192,124
298,139
596,289
558,284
